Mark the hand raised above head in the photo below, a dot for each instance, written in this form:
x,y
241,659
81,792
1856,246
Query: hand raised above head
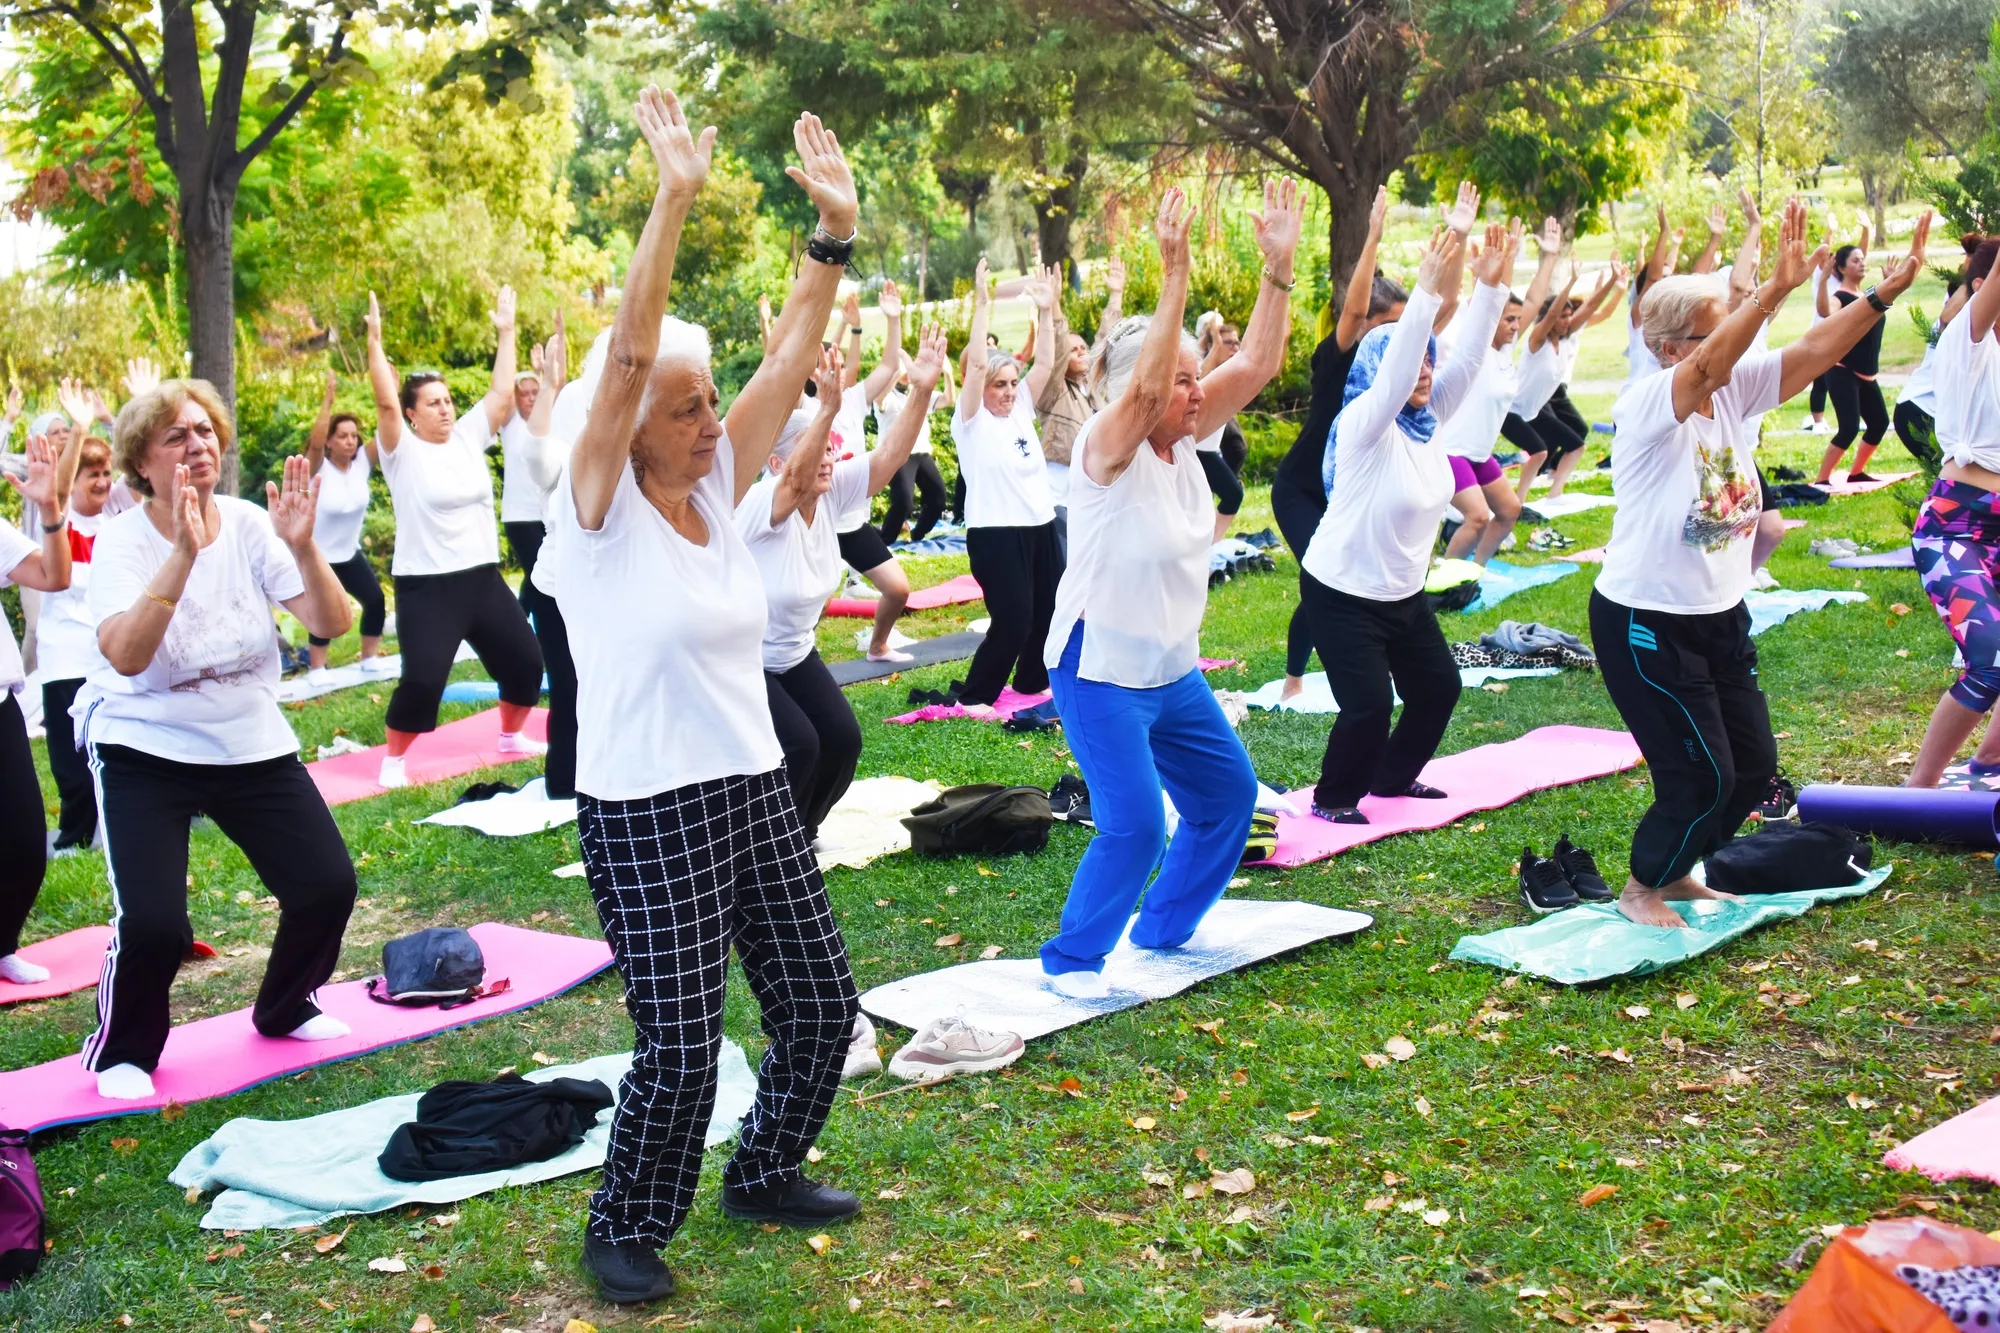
x,y
982,284
1548,241
928,367
1378,212
890,302
1460,215
1114,275
1445,248
142,375
1171,223
503,309
681,157
39,486
1279,224
826,380
1899,277
823,174
372,321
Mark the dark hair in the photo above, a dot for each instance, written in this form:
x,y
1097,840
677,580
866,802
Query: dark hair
x,y
1981,263
1514,300
1841,255
1385,294
333,422
412,383
1547,302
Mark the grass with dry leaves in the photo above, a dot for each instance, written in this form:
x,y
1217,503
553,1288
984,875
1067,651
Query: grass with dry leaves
x,y
1357,1135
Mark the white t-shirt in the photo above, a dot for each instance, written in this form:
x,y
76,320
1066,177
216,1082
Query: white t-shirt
x,y
521,495
1965,380
1541,373
1208,444
343,505
890,406
14,548
667,638
443,494
1475,426
1639,359
849,437
799,564
1688,497
210,694
66,633
1138,567
1006,479
1920,391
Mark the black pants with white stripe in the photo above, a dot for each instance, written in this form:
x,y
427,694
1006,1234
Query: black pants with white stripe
x,y
1686,686
24,843
271,810
679,878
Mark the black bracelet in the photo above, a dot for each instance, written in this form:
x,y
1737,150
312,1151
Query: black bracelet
x,y
1881,306
822,248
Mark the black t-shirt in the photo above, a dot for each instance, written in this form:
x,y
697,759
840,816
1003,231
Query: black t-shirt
x,y
1330,364
1865,357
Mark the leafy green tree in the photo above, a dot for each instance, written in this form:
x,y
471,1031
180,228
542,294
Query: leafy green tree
x,y
1765,115
1909,71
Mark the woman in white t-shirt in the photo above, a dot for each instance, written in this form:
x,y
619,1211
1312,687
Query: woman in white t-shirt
x,y
24,848
447,563
917,493
1218,340
787,521
1010,520
335,457
1362,581
691,840
866,550
1122,654
1667,615
181,719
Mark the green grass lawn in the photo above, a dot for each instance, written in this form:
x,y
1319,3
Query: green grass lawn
x,y
1739,1104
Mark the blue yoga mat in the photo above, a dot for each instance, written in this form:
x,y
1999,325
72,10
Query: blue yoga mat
x,y
1504,580
478,691
1775,606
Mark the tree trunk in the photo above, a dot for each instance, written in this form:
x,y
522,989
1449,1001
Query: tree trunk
x,y
924,266
1346,233
208,228
1055,215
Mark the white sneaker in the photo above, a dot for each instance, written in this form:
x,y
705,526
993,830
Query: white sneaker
x,y
392,774
890,655
318,676
377,666
863,1057
21,972
1763,578
125,1083
513,742
947,1046
897,639
1079,985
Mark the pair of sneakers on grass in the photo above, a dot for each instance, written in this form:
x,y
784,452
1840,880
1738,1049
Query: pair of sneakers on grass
x,y
1565,877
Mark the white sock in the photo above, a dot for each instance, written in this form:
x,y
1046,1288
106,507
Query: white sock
x,y
513,742
124,1083
392,774
20,971
320,1027
1079,985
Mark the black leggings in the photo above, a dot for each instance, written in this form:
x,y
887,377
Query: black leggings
x,y
1817,399
1561,425
24,845
552,632
272,811
819,734
77,825
1298,511
920,477
1366,646
1018,570
1918,432
526,540
358,577
1523,435
1686,686
1222,482
1856,401
437,612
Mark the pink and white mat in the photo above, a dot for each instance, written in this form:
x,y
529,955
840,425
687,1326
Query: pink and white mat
x,y
1967,1145
452,751
214,1057
964,588
73,959
1483,778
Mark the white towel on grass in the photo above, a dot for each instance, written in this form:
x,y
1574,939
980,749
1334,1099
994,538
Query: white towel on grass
x,y
1316,696
510,814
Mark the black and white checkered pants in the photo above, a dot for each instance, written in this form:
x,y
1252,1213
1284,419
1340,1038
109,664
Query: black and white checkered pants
x,y
678,879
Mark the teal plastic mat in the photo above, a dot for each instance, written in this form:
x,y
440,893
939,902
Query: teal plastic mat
x,y
1593,942
1503,580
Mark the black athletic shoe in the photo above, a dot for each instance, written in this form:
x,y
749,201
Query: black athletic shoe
x,y
1854,478
1579,870
1069,799
1346,814
626,1274
1543,888
1418,790
1779,798
798,1202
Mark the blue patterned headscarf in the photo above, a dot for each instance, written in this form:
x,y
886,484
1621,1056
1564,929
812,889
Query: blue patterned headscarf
x,y
1419,423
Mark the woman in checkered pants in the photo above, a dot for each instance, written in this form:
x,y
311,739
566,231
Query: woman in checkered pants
x,y
691,840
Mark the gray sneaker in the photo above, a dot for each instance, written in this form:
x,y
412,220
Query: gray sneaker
x,y
950,1045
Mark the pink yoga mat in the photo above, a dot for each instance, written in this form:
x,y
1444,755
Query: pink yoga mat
x,y
1862,488
453,750
1011,701
214,1057
73,959
964,588
1965,1145
1484,778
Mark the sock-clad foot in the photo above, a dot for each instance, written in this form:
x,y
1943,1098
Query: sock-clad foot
x,y
1579,868
392,774
890,655
124,1083
1419,790
320,1027
798,1202
21,972
1079,985
375,666
626,1274
1543,888
513,742
1343,814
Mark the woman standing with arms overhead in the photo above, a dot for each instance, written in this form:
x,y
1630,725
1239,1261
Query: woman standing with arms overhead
x,y
918,480
181,719
447,564
691,840
1667,616
864,549
1219,340
1010,520
1363,578
1123,655
339,465
1851,384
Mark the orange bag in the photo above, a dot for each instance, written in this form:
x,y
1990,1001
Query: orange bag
x,y
1854,1288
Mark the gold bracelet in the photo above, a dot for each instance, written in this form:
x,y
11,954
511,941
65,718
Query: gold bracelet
x,y
1767,311
170,604
1272,278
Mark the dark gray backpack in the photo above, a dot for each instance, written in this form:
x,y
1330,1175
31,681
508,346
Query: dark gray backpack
x,y
983,819
441,965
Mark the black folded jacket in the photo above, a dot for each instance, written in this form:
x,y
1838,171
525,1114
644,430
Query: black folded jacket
x,y
465,1129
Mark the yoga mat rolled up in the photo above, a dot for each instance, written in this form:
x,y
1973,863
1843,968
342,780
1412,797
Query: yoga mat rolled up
x,y
1907,814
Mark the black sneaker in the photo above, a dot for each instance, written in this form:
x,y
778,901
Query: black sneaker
x,y
1543,888
1345,814
1069,799
798,1202
1418,790
626,1274
1579,871
1779,798
1855,478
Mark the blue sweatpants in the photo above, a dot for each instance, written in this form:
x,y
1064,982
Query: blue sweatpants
x,y
1128,743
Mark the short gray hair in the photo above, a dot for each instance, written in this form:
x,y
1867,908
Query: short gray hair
x,y
1111,368
1668,309
681,344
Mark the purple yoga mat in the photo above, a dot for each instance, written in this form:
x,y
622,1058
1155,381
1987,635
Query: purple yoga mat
x,y
1907,814
1900,558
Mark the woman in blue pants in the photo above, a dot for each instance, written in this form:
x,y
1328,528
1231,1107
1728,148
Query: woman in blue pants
x,y
1123,642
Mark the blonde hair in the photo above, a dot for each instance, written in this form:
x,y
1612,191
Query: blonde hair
x,y
1668,309
92,452
158,409
1111,368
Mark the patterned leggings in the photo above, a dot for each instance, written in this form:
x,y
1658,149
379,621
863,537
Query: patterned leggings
x,y
678,878
1957,546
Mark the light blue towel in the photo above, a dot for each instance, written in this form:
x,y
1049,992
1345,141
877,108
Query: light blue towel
x,y
1504,580
477,691
1777,605
298,1173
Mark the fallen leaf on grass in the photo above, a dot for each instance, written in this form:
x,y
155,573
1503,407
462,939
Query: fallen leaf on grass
x,y
579,1326
1629,1163
1076,1285
1857,1102
393,1264
1661,1326
1686,1001
1145,1124
1239,1181
1226,1321
1413,1205
172,1111
329,1243
1070,1086
1531,1293
1423,1107
815,1155
890,1195
1865,946
124,1145
1297,1117
991,951
1374,1061
1178,1096
1194,1189
1381,1203
1596,1194
1437,1217
1400,1048
1157,1179
423,1324
435,1272
1637,1011
1621,1055
948,941
543,1058
1899,608
819,1244
226,1252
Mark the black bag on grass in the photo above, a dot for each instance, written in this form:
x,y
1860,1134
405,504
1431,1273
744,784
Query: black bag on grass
x,y
983,819
1783,857
440,966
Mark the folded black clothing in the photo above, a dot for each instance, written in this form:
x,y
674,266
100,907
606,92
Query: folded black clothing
x,y
1787,474
484,791
464,1128
1042,717
1797,493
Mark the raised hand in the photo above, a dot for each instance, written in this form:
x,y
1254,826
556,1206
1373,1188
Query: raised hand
x,y
190,523
372,321
142,375
1044,287
982,285
39,487
928,368
1445,248
557,358
1616,275
1793,265
826,380
536,359
1660,212
332,386
75,402
1114,276
503,310
1378,212
822,173
681,157
1548,242
1898,278
1460,215
850,310
890,303
1278,226
1718,220
15,401
99,408
1496,256
1748,202
1170,228
291,507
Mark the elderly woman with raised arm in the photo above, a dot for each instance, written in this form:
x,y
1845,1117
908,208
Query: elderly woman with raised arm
x,y
691,837
1122,652
336,460
1667,616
